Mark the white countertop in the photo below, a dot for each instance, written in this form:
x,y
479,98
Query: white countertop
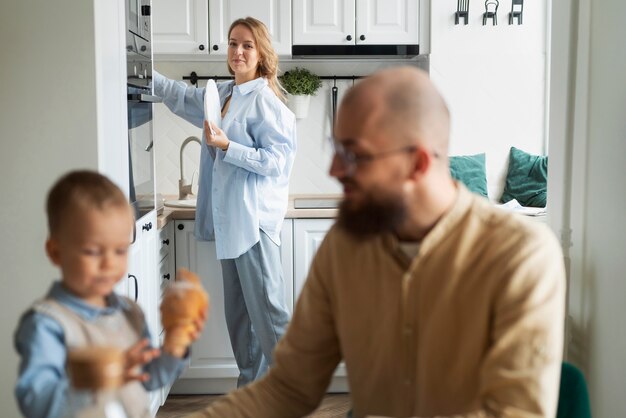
x,y
316,207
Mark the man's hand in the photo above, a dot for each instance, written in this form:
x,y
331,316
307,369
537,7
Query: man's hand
x,y
137,356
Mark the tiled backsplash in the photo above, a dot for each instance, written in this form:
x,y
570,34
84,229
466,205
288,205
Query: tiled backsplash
x,y
310,171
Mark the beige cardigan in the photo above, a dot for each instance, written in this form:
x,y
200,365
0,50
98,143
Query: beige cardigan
x,y
471,327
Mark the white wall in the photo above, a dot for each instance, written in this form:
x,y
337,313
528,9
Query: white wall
x,y
51,104
590,129
310,171
493,79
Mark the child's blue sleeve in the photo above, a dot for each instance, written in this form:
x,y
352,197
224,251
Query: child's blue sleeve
x,y
42,385
163,369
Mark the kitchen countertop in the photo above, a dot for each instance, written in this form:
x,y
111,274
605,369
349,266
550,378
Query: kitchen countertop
x,y
170,213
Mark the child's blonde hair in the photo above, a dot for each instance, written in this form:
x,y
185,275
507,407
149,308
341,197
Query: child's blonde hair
x,y
81,189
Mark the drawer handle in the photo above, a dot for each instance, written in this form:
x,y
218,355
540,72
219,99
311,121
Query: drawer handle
x,y
166,241
136,285
166,276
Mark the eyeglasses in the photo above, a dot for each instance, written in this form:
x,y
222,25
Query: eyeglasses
x,y
351,160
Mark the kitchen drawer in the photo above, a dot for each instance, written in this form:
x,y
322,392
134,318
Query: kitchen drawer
x,y
166,277
166,240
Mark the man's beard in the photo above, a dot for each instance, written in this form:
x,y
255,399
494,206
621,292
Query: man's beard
x,y
378,214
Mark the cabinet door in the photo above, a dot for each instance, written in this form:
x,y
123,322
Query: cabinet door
x,y
323,22
276,14
143,282
387,22
211,355
180,26
307,236
147,275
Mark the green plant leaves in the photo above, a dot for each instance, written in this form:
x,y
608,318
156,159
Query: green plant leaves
x,y
300,81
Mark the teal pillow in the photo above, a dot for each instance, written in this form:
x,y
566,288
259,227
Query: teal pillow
x,y
526,179
470,170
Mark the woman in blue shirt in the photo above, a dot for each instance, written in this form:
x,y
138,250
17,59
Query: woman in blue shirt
x,y
243,190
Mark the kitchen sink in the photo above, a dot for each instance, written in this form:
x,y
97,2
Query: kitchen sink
x,y
181,203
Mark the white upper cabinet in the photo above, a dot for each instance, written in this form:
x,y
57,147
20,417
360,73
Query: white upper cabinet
x,y
324,22
199,27
350,22
180,26
380,22
276,14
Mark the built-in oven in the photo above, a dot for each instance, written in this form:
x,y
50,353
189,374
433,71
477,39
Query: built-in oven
x,y
138,18
140,121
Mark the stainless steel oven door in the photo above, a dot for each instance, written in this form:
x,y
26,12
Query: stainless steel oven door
x,y
140,145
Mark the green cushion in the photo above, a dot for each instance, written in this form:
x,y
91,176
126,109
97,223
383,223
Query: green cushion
x,y
526,179
573,395
470,170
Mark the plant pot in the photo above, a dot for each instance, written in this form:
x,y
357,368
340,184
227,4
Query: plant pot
x,y
299,105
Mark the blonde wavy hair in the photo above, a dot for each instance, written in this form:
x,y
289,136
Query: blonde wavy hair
x,y
268,59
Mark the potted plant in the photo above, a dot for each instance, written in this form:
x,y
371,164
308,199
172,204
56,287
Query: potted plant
x,y
300,85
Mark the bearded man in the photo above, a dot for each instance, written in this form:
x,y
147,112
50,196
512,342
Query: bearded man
x,y
440,304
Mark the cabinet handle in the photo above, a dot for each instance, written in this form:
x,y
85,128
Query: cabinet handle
x,y
362,37
166,241
166,276
134,234
349,38
180,227
136,285
201,47
215,47
147,227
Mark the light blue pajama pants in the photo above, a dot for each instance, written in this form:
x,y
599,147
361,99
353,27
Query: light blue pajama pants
x,y
255,308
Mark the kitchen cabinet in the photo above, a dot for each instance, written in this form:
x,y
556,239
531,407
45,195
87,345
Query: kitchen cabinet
x,y
212,367
166,273
199,27
141,283
308,235
180,27
356,22
276,14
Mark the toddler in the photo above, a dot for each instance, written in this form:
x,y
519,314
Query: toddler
x,y
90,226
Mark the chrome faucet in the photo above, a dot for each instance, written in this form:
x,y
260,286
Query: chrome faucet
x,y
184,189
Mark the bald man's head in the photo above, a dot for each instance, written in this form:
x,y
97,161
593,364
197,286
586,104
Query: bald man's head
x,y
404,102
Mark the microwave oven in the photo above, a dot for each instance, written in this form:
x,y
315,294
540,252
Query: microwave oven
x,y
138,18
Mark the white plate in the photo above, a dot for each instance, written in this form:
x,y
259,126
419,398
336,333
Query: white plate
x,y
212,111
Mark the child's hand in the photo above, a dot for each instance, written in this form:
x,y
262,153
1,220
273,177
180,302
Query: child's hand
x,y
137,356
187,333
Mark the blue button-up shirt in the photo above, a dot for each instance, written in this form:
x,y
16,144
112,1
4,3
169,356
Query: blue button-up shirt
x,y
42,385
245,189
